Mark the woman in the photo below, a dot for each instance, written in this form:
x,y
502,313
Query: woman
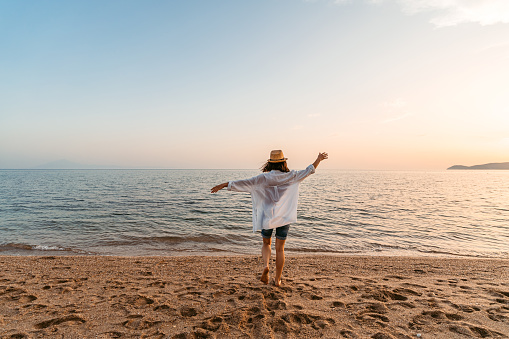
x,y
274,194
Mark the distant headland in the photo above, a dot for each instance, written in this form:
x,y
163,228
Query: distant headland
x,y
491,166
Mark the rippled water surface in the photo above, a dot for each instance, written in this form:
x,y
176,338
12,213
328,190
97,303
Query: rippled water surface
x,y
171,212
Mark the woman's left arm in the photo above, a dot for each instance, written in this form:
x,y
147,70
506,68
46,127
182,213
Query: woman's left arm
x,y
245,185
219,187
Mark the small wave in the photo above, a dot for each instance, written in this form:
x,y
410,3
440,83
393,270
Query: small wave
x,y
12,246
21,248
321,250
201,238
468,255
174,240
49,248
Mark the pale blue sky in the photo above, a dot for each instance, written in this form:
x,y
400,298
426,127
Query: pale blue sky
x,y
391,84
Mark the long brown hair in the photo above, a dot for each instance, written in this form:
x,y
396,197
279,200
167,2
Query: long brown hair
x,y
278,166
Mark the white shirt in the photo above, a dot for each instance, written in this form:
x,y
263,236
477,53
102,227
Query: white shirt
x,y
274,194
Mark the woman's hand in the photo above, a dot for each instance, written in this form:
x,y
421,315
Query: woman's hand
x,y
319,158
219,187
323,156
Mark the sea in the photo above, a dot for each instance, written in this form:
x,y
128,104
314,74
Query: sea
x,y
173,213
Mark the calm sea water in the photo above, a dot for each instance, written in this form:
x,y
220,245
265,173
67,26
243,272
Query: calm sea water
x,y
171,212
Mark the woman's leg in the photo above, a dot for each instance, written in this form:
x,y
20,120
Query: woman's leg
x,y
265,259
280,260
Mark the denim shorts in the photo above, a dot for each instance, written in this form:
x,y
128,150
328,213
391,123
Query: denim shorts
x,y
281,232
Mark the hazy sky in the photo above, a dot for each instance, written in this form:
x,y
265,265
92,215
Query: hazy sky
x,y
379,84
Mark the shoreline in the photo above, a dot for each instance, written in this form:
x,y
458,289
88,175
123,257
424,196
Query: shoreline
x,y
33,251
340,296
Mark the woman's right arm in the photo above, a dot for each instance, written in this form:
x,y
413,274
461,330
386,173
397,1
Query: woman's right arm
x,y
303,174
321,156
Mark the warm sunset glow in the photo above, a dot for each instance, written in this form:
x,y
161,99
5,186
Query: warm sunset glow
x,y
379,84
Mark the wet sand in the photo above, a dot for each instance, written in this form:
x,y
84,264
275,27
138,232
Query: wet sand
x,y
222,297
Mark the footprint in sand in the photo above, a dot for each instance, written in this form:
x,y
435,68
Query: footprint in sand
x,y
166,309
299,318
276,305
12,292
58,321
502,297
188,311
403,304
338,304
272,295
466,308
214,324
17,294
198,333
190,294
370,312
384,294
229,291
159,283
382,335
348,334
35,306
498,317
397,277
311,296
252,320
436,316
474,331
137,301
414,285
379,308
25,299
406,292
17,336
114,284
372,317
112,334
136,322
295,321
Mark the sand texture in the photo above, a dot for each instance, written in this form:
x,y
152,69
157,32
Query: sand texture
x,y
221,297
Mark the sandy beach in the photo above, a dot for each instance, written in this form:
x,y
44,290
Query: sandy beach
x,y
221,297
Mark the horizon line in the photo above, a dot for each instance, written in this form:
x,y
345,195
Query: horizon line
x,y
202,169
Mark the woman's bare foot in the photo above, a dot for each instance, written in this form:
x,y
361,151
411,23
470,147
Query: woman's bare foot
x,y
265,276
277,283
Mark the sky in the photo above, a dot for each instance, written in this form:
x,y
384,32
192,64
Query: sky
x,y
378,84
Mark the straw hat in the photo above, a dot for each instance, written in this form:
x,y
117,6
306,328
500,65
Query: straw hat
x,y
277,156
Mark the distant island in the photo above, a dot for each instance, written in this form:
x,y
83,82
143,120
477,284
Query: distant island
x,y
491,166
